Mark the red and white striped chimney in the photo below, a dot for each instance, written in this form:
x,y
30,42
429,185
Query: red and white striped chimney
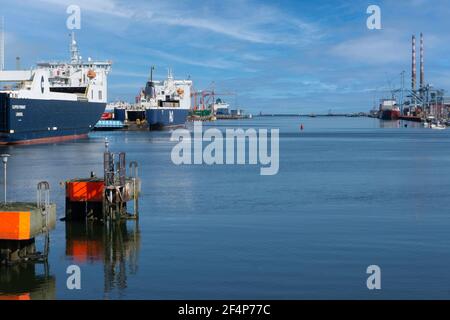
x,y
413,71
422,73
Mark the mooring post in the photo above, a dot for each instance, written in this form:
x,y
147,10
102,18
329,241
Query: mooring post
x,y
43,203
135,206
134,175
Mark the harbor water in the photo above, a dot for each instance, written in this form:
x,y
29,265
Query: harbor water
x,y
350,193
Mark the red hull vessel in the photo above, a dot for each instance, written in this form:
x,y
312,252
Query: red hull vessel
x,y
392,114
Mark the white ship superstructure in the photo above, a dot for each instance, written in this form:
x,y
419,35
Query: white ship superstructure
x,y
169,93
167,103
86,79
220,107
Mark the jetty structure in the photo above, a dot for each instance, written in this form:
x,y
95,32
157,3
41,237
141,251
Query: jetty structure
x,y
21,223
105,198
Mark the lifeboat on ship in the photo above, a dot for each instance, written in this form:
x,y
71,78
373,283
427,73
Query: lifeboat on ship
x,y
91,74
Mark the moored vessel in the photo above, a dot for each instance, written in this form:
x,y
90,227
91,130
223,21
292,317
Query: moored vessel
x,y
389,110
54,101
166,103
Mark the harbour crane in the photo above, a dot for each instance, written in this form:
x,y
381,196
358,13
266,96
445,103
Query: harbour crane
x,y
204,98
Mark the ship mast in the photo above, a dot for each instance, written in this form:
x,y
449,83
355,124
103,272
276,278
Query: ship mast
x,y
151,73
2,44
74,53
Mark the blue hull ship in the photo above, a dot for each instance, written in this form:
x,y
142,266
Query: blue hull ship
x,y
27,121
54,101
166,103
159,119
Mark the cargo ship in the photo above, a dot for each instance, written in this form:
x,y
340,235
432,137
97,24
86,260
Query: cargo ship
x,y
220,107
166,103
54,101
389,110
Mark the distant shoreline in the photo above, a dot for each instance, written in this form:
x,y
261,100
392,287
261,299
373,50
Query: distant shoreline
x,y
359,114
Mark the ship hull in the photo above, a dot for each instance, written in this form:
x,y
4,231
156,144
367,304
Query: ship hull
x,y
390,115
160,119
33,121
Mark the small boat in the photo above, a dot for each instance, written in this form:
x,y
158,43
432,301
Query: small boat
x,y
108,125
438,126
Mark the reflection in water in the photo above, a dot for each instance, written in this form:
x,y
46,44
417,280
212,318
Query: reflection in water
x,y
116,245
399,124
25,282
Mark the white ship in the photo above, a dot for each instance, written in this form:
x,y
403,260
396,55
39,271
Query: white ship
x,y
167,103
220,107
54,101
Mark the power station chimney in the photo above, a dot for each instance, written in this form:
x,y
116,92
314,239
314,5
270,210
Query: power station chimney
x,y
413,71
2,44
422,74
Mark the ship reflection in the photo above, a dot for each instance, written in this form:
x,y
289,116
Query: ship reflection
x,y
117,246
27,281
399,124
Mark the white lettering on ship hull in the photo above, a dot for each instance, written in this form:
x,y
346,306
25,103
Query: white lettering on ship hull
x,y
18,107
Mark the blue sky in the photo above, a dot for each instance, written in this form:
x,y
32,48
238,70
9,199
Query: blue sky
x,y
277,56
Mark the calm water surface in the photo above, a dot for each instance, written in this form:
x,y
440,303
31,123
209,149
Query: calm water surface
x,y
350,192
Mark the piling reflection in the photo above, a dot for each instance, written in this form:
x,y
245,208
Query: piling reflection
x,y
116,245
27,281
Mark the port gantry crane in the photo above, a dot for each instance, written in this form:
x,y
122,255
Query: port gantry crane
x,y
204,98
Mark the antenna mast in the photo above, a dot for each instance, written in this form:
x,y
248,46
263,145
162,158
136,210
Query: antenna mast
x,y
74,54
2,44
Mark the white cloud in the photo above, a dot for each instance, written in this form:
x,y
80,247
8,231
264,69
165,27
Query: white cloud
x,y
380,48
249,22
218,63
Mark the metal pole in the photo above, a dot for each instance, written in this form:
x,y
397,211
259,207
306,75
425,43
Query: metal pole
x,y
413,70
403,88
5,160
2,43
4,177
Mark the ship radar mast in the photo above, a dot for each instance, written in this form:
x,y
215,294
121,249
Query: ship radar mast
x,y
74,53
2,43
151,73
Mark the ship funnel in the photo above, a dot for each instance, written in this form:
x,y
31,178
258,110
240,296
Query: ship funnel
x,y
422,73
413,70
